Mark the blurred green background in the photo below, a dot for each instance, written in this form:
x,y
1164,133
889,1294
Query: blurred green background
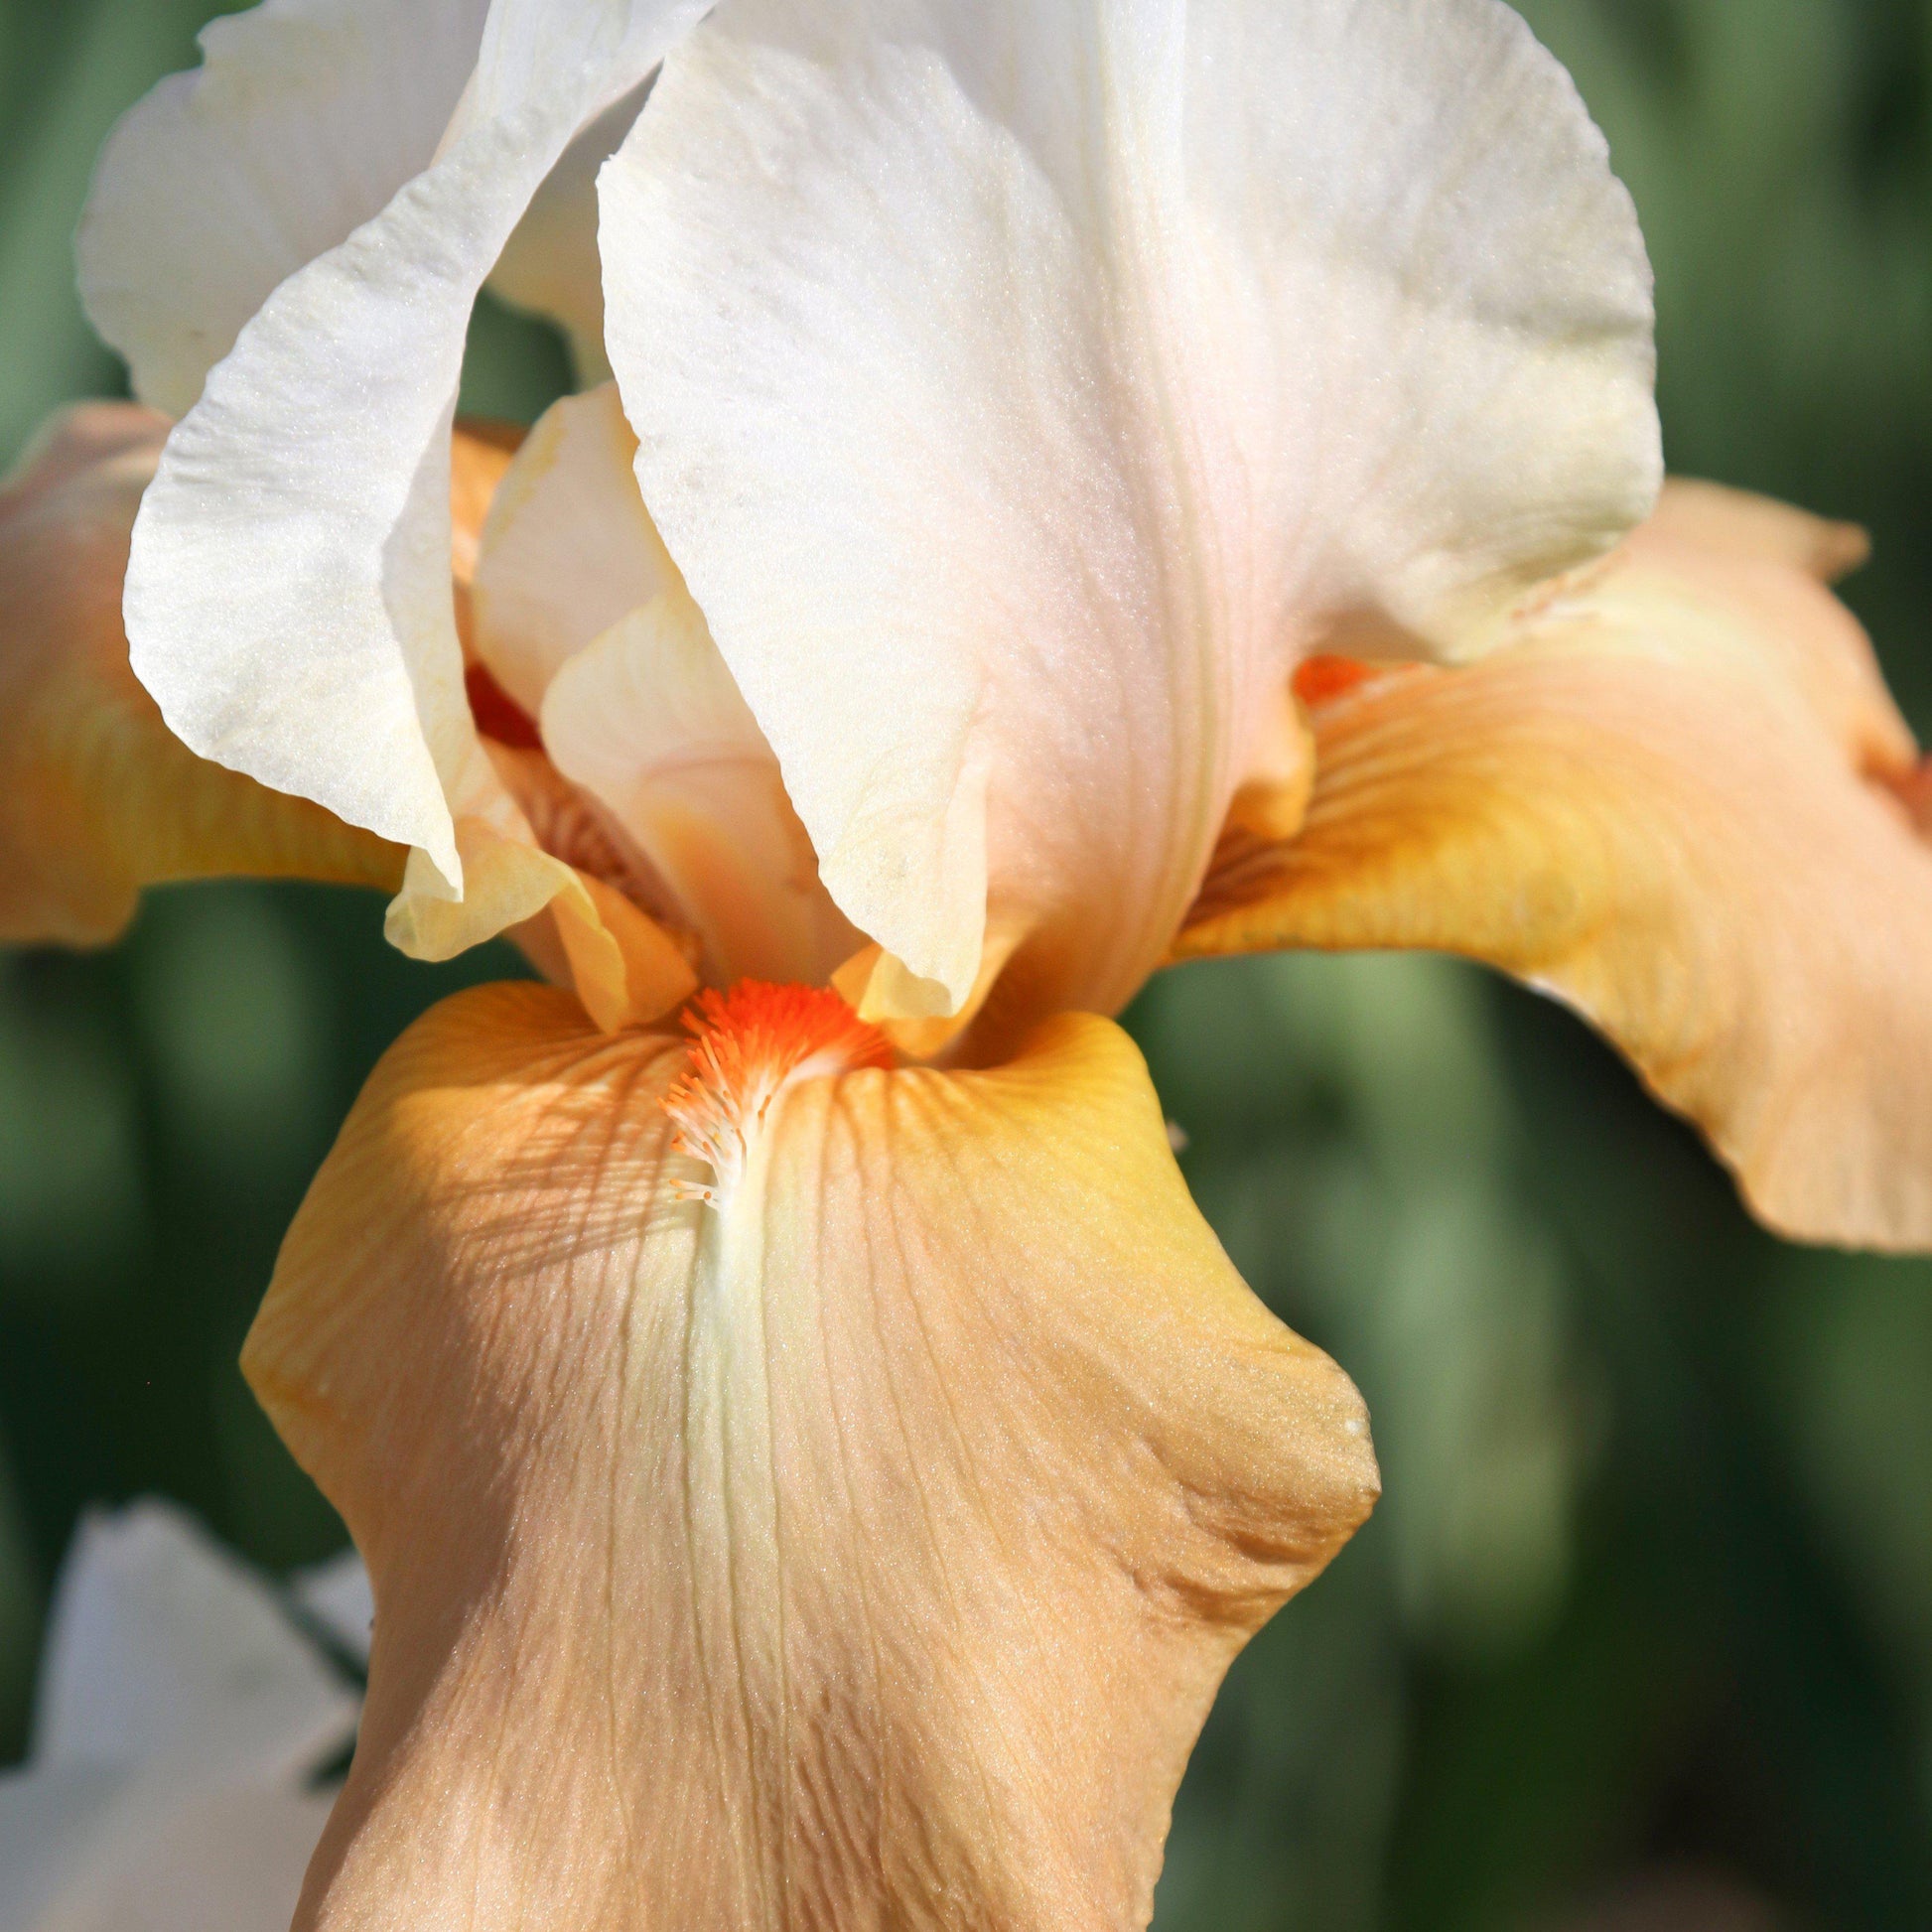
x,y
1642,1634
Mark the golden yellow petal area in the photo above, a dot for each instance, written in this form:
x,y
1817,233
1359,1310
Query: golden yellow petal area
x,y
862,1551
1673,801
97,798
577,930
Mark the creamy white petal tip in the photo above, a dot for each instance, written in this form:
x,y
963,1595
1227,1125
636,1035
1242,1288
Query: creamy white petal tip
x,y
289,600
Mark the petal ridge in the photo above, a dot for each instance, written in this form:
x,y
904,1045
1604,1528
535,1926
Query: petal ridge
x,y
921,1494
1022,389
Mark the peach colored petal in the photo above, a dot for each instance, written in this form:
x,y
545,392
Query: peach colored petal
x,y
1736,523
1767,565
860,1550
648,723
1671,802
480,453
97,798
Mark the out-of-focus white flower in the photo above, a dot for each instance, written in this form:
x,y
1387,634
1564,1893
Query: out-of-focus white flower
x,y
182,1720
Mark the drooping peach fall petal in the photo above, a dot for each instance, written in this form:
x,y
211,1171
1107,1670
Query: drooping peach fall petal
x,y
1673,800
97,798
844,1523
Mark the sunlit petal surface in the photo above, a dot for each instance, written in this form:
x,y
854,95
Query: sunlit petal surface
x,y
303,119
1023,387
289,598
584,622
849,1527
1675,800
569,549
533,863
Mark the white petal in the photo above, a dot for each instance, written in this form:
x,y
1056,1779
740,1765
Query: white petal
x,y
289,600
96,1850
568,550
163,1645
305,117
1024,384
648,721
338,1595
551,263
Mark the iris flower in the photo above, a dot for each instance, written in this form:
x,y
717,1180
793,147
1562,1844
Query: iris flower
x,y
1062,486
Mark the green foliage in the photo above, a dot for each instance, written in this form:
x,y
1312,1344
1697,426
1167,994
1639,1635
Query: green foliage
x,y
1649,1587
1652,1585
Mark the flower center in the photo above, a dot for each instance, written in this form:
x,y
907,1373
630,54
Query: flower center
x,y
749,1045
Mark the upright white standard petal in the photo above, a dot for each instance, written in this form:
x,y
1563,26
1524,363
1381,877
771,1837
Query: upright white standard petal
x,y
1024,386
568,550
305,118
289,600
551,263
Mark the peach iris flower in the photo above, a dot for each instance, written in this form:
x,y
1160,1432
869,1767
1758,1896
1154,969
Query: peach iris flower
x,y
1066,486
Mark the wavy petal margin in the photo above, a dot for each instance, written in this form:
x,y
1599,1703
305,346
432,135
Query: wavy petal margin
x,y
1024,386
288,598
865,1551
1675,802
302,122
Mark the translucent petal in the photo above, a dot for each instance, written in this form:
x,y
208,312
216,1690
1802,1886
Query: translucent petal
x,y
305,118
1675,800
648,721
569,549
289,600
1024,386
